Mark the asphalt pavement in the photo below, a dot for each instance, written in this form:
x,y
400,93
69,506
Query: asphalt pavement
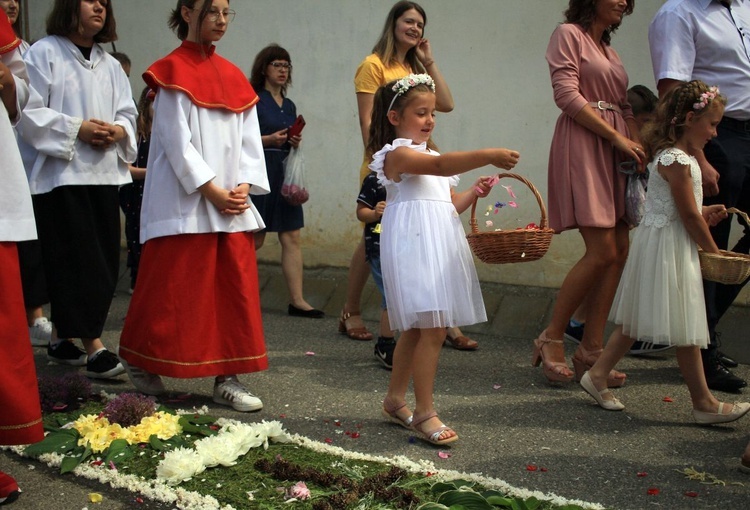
x,y
507,417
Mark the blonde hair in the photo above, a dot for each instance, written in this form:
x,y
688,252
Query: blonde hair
x,y
668,124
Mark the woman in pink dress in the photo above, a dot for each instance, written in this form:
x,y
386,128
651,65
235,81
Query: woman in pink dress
x,y
594,133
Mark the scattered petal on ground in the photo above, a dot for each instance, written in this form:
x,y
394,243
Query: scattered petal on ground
x,y
531,467
691,494
444,455
95,497
653,491
641,474
309,353
668,399
497,386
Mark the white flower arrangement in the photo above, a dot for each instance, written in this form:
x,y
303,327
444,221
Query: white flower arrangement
x,y
403,85
234,437
223,449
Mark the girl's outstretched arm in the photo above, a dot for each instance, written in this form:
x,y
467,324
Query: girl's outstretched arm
x,y
681,185
405,160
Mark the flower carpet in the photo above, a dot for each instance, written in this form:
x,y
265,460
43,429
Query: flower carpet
x,y
191,460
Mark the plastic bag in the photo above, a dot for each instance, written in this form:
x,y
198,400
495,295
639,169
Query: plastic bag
x,y
635,198
293,188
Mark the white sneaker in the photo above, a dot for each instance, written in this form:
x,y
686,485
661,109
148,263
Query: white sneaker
x,y
145,382
232,393
40,332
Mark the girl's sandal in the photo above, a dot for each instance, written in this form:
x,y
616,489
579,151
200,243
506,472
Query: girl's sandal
x,y
355,332
390,413
433,436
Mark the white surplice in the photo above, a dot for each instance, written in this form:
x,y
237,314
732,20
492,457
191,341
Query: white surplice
x,y
16,212
184,156
68,89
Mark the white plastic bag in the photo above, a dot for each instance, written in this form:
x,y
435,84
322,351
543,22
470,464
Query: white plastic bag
x,y
635,198
294,189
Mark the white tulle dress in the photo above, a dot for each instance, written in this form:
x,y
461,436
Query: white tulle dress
x,y
428,270
660,295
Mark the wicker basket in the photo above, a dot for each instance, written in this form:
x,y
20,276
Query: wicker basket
x,y
729,268
509,246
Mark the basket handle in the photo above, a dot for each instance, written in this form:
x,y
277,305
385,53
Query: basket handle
x,y
737,211
542,222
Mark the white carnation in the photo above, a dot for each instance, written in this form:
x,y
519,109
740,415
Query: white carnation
x,y
179,465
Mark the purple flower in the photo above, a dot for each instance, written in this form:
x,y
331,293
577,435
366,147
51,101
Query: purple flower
x,y
129,409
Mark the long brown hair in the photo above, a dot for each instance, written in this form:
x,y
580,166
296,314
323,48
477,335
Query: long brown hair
x,y
583,12
145,117
65,19
669,122
385,48
381,130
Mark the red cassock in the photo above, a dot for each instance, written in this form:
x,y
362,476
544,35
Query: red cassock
x,y
196,307
21,416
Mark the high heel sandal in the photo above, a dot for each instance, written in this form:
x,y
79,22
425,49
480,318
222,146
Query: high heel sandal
x,y
554,371
355,333
583,360
390,413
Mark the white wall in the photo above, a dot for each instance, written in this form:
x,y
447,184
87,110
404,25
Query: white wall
x,y
490,51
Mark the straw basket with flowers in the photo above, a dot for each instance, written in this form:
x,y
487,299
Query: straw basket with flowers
x,y
728,267
509,246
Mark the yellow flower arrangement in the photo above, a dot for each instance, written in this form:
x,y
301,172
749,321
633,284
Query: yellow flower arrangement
x,y
97,432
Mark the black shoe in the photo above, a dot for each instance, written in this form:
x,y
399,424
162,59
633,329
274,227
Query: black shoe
x,y
641,347
384,351
574,333
104,365
313,313
726,360
66,353
719,378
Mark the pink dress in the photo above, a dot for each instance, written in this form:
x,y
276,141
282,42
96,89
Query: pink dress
x,y
584,187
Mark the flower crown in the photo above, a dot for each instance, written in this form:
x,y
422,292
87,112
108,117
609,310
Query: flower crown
x,y
705,98
403,85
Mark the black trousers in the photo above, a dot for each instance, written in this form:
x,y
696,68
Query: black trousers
x,y
729,153
79,232
32,274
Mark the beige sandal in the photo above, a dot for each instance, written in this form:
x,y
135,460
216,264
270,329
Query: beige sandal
x,y
390,413
433,436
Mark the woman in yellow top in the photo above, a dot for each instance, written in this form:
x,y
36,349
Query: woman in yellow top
x,y
401,50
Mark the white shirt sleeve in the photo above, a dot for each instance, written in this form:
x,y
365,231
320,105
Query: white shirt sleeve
x,y
672,45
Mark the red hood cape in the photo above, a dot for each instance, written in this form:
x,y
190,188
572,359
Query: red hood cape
x,y
208,79
8,39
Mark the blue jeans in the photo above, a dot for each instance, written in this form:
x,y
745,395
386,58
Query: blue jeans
x,y
377,275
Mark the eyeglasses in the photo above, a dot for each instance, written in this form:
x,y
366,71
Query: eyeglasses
x,y
213,16
281,65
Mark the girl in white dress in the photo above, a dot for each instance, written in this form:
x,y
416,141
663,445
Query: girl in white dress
x,y
660,295
428,271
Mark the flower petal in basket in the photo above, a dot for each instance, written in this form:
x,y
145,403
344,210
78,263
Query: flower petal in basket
x,y
509,246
